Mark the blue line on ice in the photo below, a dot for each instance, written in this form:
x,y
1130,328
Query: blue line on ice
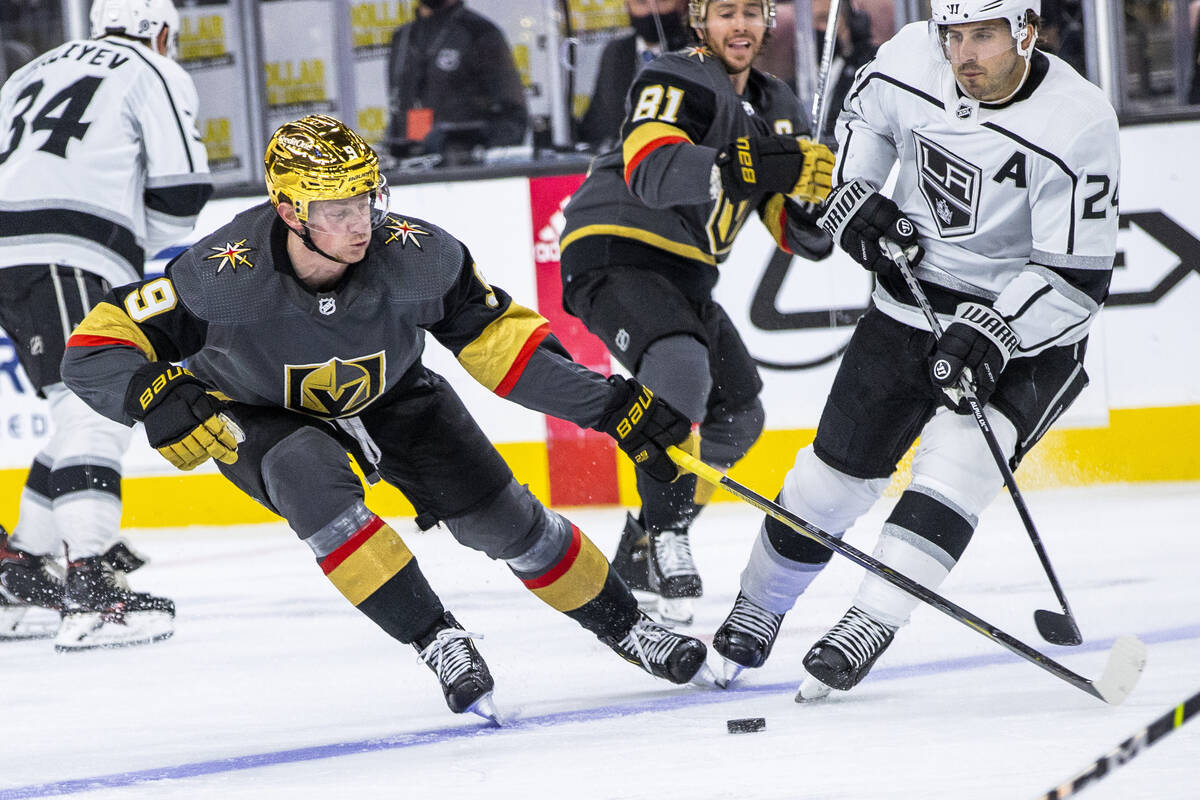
x,y
416,739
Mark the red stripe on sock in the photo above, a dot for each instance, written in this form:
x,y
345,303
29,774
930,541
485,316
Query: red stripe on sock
x,y
564,564
347,548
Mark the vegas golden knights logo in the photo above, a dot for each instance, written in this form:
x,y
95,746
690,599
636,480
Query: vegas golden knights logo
x,y
336,388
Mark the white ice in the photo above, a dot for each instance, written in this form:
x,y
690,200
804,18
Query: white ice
x,y
274,687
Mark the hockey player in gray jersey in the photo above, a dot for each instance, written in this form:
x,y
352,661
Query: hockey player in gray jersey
x,y
1006,202
307,317
707,141
100,166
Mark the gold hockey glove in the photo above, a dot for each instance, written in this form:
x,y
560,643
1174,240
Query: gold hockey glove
x,y
816,177
182,422
760,165
644,426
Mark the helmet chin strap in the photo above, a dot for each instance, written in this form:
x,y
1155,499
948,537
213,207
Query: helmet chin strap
x,y
306,237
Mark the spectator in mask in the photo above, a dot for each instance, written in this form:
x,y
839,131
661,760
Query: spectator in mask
x,y
659,26
453,85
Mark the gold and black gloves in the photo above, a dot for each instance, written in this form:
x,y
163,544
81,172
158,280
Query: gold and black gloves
x,y
644,427
799,168
182,421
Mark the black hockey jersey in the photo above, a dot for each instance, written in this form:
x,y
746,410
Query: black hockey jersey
x,y
656,201
254,333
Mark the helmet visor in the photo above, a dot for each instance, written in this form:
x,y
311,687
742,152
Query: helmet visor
x,y
973,42
348,216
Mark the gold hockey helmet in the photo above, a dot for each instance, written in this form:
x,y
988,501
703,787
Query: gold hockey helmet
x,y
318,158
698,12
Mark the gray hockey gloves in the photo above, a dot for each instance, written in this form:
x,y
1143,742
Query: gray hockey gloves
x,y
857,217
978,345
789,165
644,426
182,421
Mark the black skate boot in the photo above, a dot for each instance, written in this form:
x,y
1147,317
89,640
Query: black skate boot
x,y
662,652
632,560
27,581
466,681
673,575
746,637
100,611
843,656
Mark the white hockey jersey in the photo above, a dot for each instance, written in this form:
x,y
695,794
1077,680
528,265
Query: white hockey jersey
x,y
101,163
1015,203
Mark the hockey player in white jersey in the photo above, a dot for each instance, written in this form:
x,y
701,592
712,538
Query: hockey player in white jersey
x,y
101,166
1006,203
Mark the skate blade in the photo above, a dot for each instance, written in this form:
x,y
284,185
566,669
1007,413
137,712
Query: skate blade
x,y
812,689
705,678
675,611
729,672
16,624
90,631
485,707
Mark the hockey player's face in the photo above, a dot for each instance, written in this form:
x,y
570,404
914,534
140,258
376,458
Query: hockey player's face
x,y
734,31
342,228
984,58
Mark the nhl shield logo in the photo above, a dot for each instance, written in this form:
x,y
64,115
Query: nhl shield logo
x,y
327,305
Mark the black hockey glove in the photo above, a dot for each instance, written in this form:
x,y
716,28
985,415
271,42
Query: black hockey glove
x,y
775,164
976,345
644,426
857,217
182,422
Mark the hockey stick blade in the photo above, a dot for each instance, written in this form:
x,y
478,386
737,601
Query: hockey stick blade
x,y
1125,661
1057,628
1062,628
1124,752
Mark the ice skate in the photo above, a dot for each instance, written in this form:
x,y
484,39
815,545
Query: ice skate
x,y
31,591
673,576
662,652
632,561
745,638
466,682
843,656
100,611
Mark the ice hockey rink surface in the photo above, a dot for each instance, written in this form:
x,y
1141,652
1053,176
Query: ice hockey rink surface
x,y
274,687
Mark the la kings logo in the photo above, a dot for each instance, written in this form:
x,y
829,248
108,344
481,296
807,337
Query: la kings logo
x,y
950,186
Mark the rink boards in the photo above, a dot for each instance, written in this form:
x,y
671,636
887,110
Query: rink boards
x,y
1133,423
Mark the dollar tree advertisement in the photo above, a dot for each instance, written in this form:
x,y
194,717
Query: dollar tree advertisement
x,y
210,51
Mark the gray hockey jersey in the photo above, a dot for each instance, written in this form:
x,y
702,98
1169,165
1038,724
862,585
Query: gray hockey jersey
x,y
253,332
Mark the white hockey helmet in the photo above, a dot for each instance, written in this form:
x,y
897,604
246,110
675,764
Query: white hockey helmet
x,y
958,12
138,19
698,12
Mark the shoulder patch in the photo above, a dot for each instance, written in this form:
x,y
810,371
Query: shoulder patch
x,y
698,52
404,232
232,255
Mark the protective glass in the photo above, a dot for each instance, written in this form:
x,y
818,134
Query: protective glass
x,y
962,44
359,214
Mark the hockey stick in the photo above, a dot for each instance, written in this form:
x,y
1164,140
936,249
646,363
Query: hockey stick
x,y
1126,750
1054,627
1125,661
818,105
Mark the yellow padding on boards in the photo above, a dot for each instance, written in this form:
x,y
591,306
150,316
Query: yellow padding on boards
x,y
576,580
370,565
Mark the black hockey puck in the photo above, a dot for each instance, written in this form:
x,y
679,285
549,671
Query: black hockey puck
x,y
747,725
